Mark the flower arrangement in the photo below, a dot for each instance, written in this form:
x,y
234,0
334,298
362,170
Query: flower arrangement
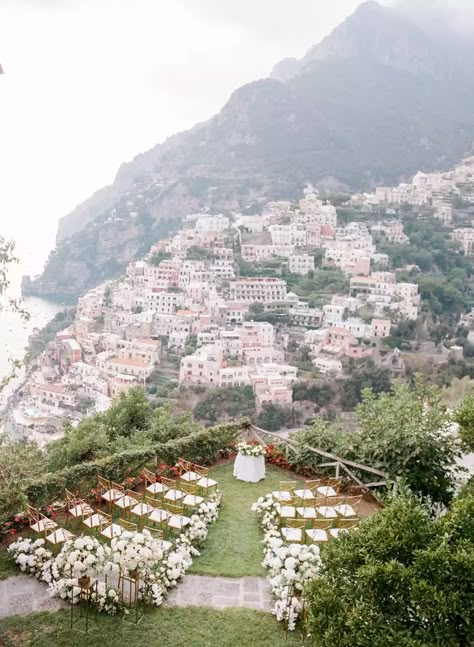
x,y
251,449
134,551
289,566
84,556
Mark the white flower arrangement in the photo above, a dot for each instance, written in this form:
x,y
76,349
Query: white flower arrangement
x,y
245,449
132,550
289,566
84,556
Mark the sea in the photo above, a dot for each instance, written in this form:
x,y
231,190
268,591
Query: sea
x,y
14,331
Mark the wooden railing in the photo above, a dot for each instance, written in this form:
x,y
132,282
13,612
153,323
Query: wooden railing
x,y
341,465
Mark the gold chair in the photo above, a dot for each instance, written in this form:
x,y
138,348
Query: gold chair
x,y
152,485
173,494
157,515
154,532
94,520
58,536
331,488
205,484
108,491
343,526
318,533
159,534
177,520
286,511
127,525
142,509
76,507
108,528
127,501
285,492
349,507
187,472
191,498
293,532
308,508
307,491
38,522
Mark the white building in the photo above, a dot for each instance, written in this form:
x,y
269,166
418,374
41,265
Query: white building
x,y
261,290
301,264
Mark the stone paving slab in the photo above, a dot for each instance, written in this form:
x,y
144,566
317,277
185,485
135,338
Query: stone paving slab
x,y
23,594
222,592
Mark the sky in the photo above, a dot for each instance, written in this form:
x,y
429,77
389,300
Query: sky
x,y
88,84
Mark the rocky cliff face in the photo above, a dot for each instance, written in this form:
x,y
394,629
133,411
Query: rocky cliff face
x,y
374,102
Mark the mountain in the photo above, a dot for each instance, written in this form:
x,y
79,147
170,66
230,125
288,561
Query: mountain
x,y
374,102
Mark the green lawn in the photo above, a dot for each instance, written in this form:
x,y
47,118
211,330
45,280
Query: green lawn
x,y
233,546
177,627
7,566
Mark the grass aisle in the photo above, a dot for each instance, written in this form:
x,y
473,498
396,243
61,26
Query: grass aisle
x,y
233,547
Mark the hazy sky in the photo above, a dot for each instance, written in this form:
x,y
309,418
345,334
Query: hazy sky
x,y
88,84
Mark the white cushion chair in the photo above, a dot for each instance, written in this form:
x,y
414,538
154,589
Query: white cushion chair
x,y
59,536
142,509
190,477
307,512
108,528
42,524
173,495
327,511
304,494
156,488
345,510
178,521
81,509
319,532
158,515
95,520
293,532
127,501
287,512
192,500
326,491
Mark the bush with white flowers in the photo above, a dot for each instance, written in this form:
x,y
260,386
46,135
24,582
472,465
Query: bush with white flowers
x,y
31,556
247,449
289,566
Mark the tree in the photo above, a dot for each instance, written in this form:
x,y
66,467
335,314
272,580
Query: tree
x,y
401,580
370,376
7,258
273,417
18,461
464,416
404,432
232,402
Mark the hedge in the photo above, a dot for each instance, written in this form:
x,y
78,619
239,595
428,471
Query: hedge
x,y
201,447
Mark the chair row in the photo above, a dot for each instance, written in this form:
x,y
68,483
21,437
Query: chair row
x,y
346,507
322,530
314,489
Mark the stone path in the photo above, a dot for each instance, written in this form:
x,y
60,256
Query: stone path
x,y
23,594
221,592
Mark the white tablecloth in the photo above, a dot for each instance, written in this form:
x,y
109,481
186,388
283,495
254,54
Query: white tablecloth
x,y
249,468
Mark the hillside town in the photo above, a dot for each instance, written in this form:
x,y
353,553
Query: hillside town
x,y
213,306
